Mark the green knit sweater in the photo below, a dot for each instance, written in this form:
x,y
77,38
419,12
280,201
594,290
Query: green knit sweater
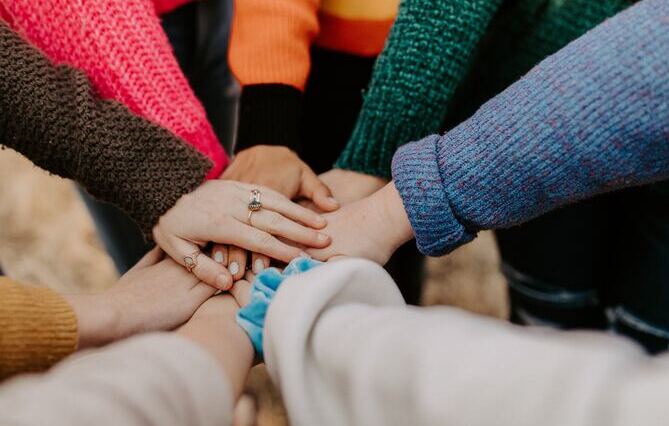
x,y
450,56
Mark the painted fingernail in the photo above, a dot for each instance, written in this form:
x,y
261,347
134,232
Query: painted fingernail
x,y
222,281
218,257
322,238
258,266
234,268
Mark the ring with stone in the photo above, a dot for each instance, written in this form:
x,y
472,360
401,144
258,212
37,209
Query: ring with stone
x,y
190,261
254,201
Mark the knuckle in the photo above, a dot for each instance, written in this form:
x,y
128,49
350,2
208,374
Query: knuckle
x,y
274,223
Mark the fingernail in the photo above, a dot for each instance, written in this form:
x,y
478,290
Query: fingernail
x,y
222,281
321,219
322,238
233,268
218,257
333,201
258,266
304,254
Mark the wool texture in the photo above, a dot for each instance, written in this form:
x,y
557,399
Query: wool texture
x,y
37,328
444,58
590,119
51,115
122,48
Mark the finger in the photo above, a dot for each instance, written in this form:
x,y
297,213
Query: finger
x,y
220,254
154,256
274,201
200,293
259,262
255,240
206,270
250,276
236,262
241,291
275,224
318,192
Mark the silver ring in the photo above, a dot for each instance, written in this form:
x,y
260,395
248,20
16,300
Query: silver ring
x,y
254,201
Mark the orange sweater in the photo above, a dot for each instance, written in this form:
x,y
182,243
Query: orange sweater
x,y
37,328
270,55
270,40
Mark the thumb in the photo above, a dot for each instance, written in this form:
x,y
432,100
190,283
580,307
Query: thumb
x,y
315,190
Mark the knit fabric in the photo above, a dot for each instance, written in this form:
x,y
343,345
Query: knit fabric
x,y
51,115
590,119
122,48
37,328
427,54
440,66
270,54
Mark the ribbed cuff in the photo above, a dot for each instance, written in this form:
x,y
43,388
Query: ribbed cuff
x,y
270,114
37,328
418,180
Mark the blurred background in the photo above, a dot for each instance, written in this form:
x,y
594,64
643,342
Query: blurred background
x,y
47,238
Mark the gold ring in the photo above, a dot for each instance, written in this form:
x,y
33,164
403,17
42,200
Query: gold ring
x,y
190,261
254,200
248,219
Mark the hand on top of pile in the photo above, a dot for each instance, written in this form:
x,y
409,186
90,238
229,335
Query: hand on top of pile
x,y
218,212
280,169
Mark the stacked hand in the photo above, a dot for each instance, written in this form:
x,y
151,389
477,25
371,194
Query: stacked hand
x,y
218,212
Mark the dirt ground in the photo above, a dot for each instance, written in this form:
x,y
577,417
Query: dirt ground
x,y
47,238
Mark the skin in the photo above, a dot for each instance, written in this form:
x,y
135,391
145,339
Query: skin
x,y
157,294
280,169
214,328
218,212
373,228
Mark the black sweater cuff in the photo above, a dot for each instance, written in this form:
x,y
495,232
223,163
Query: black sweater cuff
x,y
270,114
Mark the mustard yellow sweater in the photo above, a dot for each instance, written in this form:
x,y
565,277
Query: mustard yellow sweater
x,y
37,328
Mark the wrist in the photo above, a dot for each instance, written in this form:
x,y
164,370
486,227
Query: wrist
x,y
396,226
97,320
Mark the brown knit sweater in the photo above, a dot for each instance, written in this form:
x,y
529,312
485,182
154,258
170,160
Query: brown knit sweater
x,y
37,328
51,115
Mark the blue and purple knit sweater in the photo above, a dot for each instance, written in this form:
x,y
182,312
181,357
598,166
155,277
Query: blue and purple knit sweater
x,y
590,119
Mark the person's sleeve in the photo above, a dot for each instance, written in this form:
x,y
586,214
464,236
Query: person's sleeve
x,y
156,379
590,119
37,328
123,50
426,57
51,115
344,350
270,56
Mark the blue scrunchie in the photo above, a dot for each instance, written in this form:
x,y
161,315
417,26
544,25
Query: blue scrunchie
x,y
252,316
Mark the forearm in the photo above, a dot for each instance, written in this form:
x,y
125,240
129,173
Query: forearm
x,y
154,379
128,58
216,331
429,366
425,59
270,56
587,120
51,115
37,328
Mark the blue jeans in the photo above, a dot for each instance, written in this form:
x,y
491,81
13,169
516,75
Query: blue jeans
x,y
602,264
199,34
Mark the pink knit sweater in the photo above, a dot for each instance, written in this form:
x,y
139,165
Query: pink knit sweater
x,y
124,51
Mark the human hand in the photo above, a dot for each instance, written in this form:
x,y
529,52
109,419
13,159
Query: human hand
x,y
348,186
373,228
218,212
280,169
156,294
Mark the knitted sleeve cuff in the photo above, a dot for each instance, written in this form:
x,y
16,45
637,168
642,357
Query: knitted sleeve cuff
x,y
37,328
269,114
418,179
